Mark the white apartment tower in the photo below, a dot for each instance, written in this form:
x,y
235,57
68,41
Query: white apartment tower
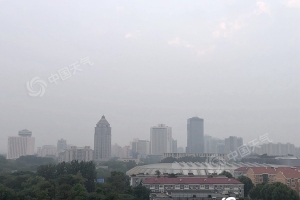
x,y
21,145
160,139
76,153
102,140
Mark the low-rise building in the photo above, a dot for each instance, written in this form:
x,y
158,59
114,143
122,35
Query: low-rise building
x,y
290,178
241,171
76,153
195,188
259,175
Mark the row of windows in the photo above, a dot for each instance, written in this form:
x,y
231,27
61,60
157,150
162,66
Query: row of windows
x,y
192,187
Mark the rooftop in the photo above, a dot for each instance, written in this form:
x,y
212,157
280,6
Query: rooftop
x,y
191,181
102,121
196,168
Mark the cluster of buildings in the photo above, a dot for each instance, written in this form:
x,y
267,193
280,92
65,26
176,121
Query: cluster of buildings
x,y
160,145
289,176
24,144
195,180
273,149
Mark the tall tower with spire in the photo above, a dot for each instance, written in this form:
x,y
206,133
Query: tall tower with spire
x,y
102,140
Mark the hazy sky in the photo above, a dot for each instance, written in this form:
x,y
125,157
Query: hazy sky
x,y
236,64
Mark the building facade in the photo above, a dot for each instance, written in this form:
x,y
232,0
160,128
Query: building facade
x,y
160,139
102,140
139,148
195,135
61,145
278,149
233,143
22,145
195,188
214,145
47,151
76,153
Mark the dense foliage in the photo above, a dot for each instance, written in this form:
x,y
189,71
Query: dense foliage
x,y
24,163
227,174
274,191
248,185
183,159
114,165
74,180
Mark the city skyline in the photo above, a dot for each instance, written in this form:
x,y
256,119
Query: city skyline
x,y
233,63
228,144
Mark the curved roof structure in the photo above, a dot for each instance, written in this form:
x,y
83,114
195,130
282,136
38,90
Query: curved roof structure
x,y
196,168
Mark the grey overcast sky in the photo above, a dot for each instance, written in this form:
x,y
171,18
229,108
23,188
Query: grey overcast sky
x,y
236,64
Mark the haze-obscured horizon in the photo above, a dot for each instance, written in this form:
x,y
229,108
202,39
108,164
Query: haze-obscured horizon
x,y
233,63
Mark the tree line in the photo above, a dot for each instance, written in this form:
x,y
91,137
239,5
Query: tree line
x,y
68,181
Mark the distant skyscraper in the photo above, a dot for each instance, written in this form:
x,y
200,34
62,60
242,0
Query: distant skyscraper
x,y
61,145
102,140
213,145
139,148
174,146
232,143
195,135
160,139
180,150
21,145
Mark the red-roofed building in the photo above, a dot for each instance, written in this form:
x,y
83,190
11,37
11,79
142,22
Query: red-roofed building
x,y
241,171
289,177
259,175
195,188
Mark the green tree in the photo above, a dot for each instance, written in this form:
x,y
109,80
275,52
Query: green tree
x,y
126,197
37,188
119,182
63,191
129,165
6,193
78,192
227,174
248,185
282,191
255,191
141,192
168,160
157,173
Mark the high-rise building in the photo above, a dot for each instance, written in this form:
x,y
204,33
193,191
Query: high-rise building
x,y
180,150
233,143
76,153
174,146
102,140
139,148
195,135
213,145
21,145
160,139
61,145
47,151
116,151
